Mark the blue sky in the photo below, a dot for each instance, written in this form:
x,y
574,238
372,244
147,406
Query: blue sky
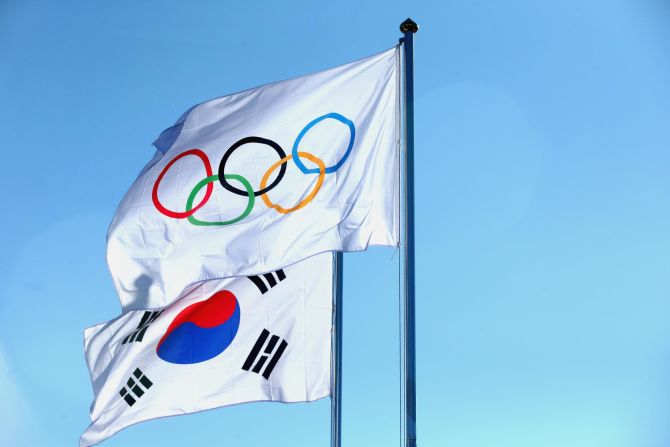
x,y
543,209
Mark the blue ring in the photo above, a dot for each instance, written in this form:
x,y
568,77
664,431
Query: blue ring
x,y
336,166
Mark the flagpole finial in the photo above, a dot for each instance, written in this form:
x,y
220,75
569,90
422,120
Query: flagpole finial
x,y
409,25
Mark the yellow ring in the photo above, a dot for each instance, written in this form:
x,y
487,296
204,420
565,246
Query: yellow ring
x,y
319,182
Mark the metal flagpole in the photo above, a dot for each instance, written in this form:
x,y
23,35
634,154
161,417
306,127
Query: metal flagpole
x,y
336,368
408,28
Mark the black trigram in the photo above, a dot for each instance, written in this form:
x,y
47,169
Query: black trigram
x,y
133,387
269,348
269,277
138,334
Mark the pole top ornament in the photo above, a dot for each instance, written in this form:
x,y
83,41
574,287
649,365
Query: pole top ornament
x,y
409,25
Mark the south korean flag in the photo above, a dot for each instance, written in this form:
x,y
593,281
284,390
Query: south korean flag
x,y
223,342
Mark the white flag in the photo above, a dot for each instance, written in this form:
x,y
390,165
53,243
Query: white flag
x,y
254,181
223,342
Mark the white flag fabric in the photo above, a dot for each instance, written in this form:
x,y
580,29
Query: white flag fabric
x,y
223,342
254,181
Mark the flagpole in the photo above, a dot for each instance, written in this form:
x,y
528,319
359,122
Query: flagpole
x,y
408,28
336,385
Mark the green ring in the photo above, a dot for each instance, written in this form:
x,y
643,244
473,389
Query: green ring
x,y
214,178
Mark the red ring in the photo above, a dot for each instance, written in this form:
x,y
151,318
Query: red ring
x,y
210,187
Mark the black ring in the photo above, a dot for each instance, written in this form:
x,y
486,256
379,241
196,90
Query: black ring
x,y
243,141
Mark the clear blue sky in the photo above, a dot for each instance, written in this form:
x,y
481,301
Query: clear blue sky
x,y
543,212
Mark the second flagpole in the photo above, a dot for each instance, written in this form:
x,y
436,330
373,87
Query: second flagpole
x,y
408,28
336,368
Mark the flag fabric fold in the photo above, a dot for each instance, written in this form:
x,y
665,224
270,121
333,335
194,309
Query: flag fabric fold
x,y
223,342
248,183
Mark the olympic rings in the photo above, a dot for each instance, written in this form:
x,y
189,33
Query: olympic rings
x,y
154,194
208,181
243,141
248,191
336,166
310,197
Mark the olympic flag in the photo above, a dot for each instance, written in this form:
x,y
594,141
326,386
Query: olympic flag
x,y
228,341
251,182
